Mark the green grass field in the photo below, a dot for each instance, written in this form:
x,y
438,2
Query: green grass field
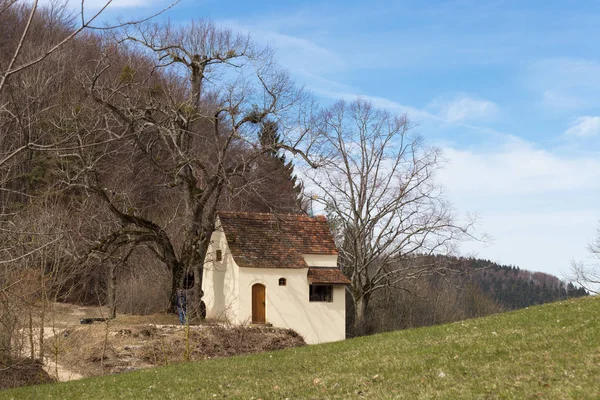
x,y
548,352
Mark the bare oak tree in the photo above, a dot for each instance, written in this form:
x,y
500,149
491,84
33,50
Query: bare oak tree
x,y
187,103
383,202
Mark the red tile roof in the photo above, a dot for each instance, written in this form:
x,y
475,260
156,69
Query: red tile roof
x,y
331,276
275,240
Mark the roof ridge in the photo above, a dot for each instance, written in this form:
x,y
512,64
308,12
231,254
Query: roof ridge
x,y
261,215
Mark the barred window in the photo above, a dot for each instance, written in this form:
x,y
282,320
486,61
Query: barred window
x,y
321,293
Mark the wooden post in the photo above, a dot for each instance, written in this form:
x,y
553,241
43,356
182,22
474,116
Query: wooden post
x,y
112,290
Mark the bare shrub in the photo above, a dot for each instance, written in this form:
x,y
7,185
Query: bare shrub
x,y
15,311
144,290
218,341
23,372
436,300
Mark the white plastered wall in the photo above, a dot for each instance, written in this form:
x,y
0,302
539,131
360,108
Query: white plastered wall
x,y
289,306
220,281
320,260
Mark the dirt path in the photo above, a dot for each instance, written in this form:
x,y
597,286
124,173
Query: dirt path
x,y
61,321
60,318
53,369
59,372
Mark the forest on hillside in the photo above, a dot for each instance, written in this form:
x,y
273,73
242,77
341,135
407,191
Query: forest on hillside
x,y
516,288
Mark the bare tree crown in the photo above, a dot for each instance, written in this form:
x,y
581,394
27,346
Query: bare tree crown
x,y
383,201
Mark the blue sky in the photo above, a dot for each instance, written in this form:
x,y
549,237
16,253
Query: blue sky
x,y
509,89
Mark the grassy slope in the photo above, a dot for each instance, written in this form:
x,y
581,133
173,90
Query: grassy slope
x,y
550,351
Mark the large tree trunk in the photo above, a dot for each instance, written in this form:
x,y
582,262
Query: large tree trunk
x,y
112,290
198,268
197,292
360,314
177,277
206,210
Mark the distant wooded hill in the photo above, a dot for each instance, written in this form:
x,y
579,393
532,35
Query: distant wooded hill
x,y
482,287
515,288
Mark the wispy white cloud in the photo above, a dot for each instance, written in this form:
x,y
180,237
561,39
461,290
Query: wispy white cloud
x,y
462,108
379,102
312,63
301,54
556,100
566,83
434,117
517,168
584,127
315,65
298,54
456,111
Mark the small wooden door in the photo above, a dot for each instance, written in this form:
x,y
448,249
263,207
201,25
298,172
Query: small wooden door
x,y
258,304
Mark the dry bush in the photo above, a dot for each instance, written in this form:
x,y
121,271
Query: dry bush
x,y
16,298
20,297
24,372
218,341
144,291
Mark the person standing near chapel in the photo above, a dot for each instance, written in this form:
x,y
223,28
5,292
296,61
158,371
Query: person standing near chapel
x,y
182,306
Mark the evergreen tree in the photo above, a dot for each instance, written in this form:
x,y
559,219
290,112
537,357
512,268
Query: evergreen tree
x,y
275,188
